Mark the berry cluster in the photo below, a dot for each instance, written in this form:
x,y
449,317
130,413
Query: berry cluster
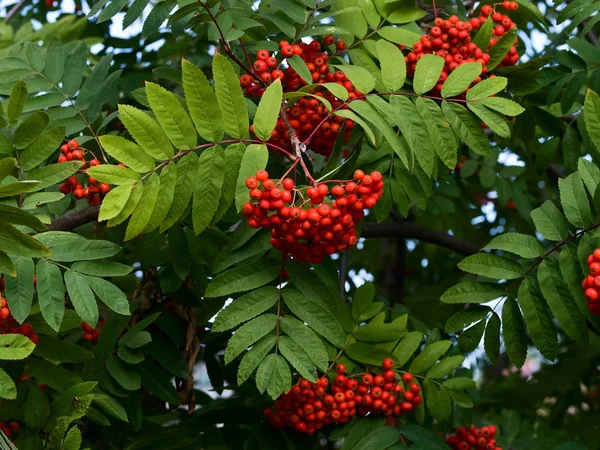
x,y
451,39
8,325
306,114
307,407
90,333
591,284
10,429
474,438
326,227
95,190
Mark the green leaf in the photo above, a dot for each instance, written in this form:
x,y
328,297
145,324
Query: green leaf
x,y
380,438
590,174
255,158
350,115
427,73
298,64
145,207
60,351
274,376
33,201
362,300
172,117
14,347
72,439
471,292
378,331
460,79
30,129
13,242
126,376
19,290
561,302
360,429
429,356
82,297
258,244
231,98
75,68
466,127
432,399
110,294
114,202
443,139
517,243
130,154
486,88
136,339
494,121
6,265
312,311
243,278
501,48
110,174
503,106
245,308
513,330
399,35
147,133
20,187
406,14
268,110
16,216
445,367
187,171
462,399
393,67
159,383
491,266
202,102
233,159
591,115
7,165
306,339
51,293
55,60
366,353
465,317
407,347
42,148
8,388
166,192
252,359
69,252
482,38
574,201
550,222
469,340
207,187
459,383
361,78
16,102
298,358
491,340
37,408
538,319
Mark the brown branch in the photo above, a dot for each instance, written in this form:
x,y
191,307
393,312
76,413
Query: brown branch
x,y
14,10
409,230
74,220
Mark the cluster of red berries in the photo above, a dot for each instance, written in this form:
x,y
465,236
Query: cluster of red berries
x,y
308,117
451,39
591,283
95,190
90,333
10,429
307,407
474,438
8,325
326,227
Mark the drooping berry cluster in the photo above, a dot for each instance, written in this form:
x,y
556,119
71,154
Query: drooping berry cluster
x,y
474,438
309,225
10,429
305,114
451,39
591,284
8,325
90,333
307,407
94,191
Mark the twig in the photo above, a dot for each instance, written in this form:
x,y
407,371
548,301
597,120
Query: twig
x,y
74,220
14,10
343,272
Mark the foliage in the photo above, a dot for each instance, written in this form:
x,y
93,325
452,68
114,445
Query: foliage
x,y
159,312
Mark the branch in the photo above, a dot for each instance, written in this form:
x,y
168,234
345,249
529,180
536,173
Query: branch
x,y
409,230
14,10
74,220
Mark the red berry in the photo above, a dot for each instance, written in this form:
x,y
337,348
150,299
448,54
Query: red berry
x,y
262,175
388,363
407,378
340,368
